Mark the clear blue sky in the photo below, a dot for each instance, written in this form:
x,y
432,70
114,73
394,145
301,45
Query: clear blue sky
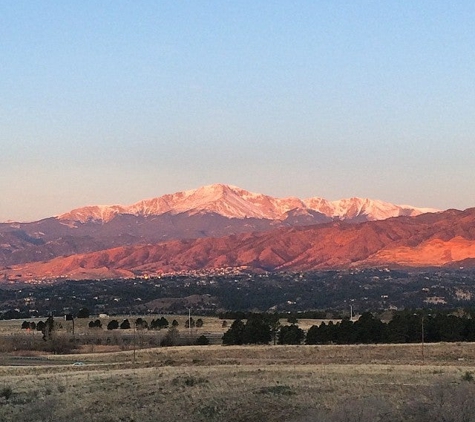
x,y
116,101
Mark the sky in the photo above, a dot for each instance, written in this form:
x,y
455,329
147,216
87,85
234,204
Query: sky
x,y
112,102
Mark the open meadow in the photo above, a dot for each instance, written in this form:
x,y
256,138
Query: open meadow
x,y
243,383
83,339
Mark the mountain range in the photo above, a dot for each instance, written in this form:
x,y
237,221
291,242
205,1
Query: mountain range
x,y
221,226
234,202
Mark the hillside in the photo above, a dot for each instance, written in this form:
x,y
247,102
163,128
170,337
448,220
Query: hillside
x,y
210,211
446,238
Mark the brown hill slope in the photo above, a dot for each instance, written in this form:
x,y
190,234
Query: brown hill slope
x,y
427,240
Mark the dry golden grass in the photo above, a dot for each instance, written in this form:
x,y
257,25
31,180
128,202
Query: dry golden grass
x,y
14,340
446,354
248,383
236,383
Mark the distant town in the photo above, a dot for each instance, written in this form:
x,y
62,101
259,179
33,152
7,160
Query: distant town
x,y
327,293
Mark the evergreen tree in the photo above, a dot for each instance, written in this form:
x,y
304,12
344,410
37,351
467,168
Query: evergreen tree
x,y
190,322
48,329
83,313
235,333
125,325
141,324
274,323
313,336
368,329
450,327
345,334
291,334
256,330
202,341
163,323
95,324
469,329
397,329
113,324
292,319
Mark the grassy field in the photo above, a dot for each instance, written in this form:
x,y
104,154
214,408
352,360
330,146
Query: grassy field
x,y
251,383
210,324
14,340
116,382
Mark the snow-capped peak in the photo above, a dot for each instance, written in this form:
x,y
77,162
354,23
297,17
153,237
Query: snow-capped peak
x,y
234,202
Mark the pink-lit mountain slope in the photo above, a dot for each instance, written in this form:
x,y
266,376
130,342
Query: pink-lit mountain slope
x,y
210,211
233,202
429,240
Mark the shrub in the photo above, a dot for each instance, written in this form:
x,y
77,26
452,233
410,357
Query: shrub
x,y
141,324
189,381
83,313
278,390
159,323
292,319
468,376
190,323
202,341
171,338
6,392
113,324
59,345
125,325
95,324
210,412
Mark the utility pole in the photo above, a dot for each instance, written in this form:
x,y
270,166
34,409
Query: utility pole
x,y
189,322
422,338
70,317
135,328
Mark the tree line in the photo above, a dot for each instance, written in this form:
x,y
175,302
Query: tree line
x,y
404,327
262,329
113,324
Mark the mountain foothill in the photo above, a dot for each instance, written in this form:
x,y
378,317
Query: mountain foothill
x,y
225,227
